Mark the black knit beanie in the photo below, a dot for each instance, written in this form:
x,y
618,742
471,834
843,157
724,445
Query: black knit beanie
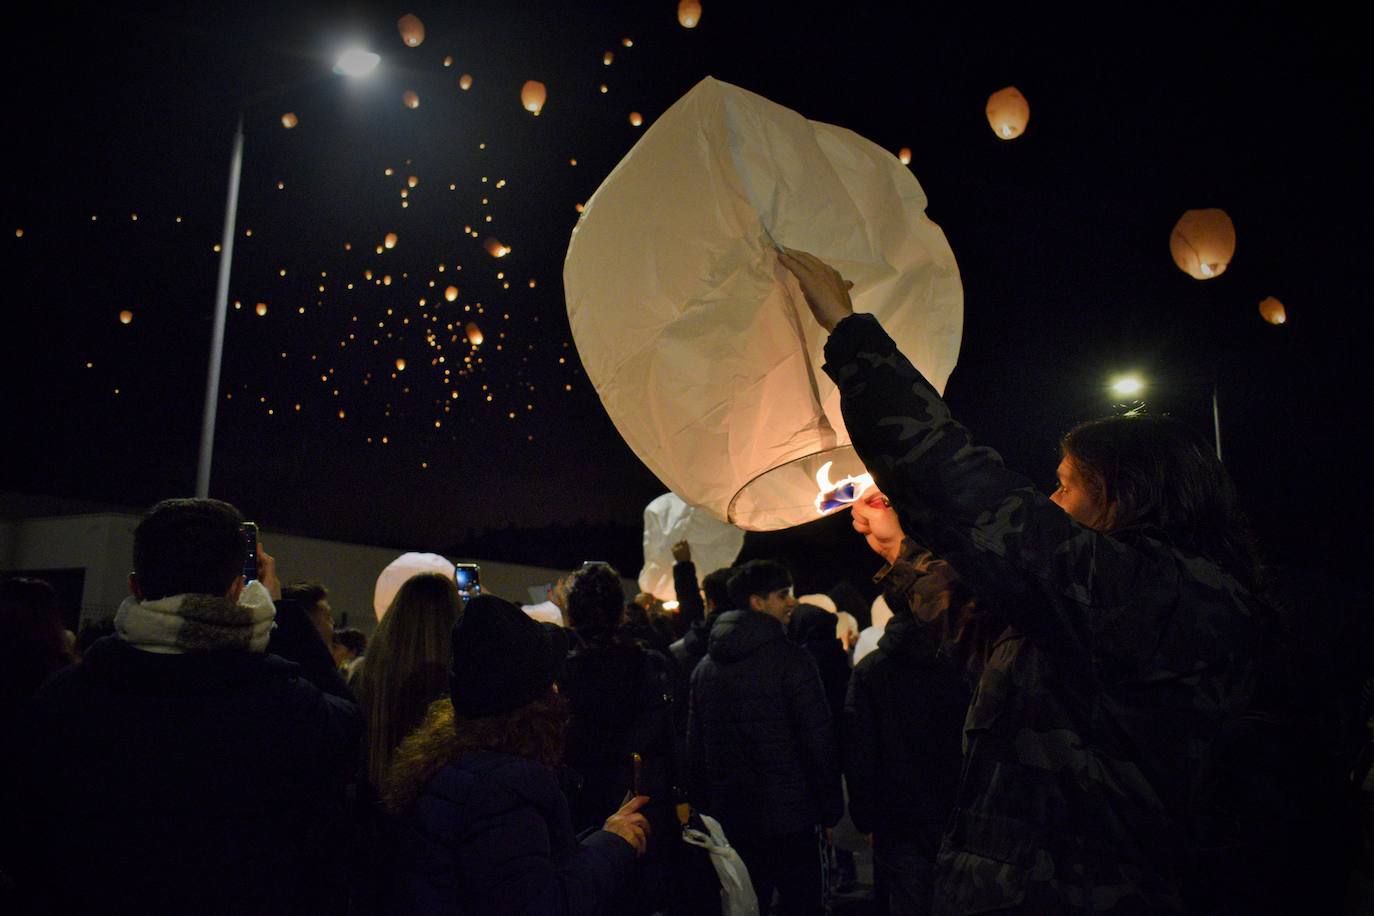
x,y
502,659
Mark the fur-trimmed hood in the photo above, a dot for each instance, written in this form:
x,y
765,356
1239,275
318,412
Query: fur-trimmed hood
x,y
422,754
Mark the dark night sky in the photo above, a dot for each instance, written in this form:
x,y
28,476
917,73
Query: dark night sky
x,y
1061,237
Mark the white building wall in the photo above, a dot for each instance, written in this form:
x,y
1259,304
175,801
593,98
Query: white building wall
x,y
103,543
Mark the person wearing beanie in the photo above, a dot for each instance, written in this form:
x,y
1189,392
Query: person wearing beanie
x,y
483,824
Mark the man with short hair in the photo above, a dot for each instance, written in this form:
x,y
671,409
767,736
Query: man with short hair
x,y
181,766
761,745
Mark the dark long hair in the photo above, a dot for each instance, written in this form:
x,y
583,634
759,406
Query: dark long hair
x,y
406,666
1155,471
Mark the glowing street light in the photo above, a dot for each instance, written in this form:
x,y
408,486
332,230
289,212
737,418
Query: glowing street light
x,y
356,62
1127,385
352,63
1131,387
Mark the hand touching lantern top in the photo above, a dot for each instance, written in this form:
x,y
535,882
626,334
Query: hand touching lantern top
x,y
826,292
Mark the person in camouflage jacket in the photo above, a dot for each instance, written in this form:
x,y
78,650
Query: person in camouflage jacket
x,y
1123,655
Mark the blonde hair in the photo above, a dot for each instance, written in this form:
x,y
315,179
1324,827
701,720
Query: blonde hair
x,y
407,665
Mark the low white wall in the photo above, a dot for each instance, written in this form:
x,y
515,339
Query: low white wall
x,y
103,543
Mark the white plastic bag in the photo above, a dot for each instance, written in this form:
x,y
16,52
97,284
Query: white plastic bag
x,y
737,897
668,520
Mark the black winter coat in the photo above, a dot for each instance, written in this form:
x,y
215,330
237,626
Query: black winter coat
x,y
903,731
201,782
814,629
490,834
761,746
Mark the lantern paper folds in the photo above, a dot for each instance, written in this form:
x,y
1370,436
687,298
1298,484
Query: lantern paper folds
x,y
1272,311
698,341
668,520
1008,113
1203,243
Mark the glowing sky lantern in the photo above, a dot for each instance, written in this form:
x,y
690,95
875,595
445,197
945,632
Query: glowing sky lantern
x,y
1203,243
289,120
667,520
390,240
532,96
126,316
904,155
688,13
448,60
260,308
412,181
607,58
636,119
465,82
495,248
451,294
412,30
400,365
474,334
1008,113
1272,310
411,99
757,439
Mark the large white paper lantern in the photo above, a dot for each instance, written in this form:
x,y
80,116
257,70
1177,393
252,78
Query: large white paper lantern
x,y
700,344
668,520
400,570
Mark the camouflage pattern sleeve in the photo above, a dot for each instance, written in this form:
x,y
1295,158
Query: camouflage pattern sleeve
x,y
1005,538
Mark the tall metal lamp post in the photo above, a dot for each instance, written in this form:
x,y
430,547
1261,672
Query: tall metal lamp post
x,y
354,63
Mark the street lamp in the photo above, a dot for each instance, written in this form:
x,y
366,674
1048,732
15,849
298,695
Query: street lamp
x,y
1133,386
352,63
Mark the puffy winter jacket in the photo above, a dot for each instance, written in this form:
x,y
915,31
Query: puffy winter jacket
x,y
203,782
814,629
761,746
490,834
903,730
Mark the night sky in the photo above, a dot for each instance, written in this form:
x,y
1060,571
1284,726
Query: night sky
x,y
1062,238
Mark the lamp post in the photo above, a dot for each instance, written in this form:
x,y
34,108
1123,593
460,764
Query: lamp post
x,y
1132,386
354,63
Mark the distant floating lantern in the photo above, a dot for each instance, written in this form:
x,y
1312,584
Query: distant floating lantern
x,y
465,82
904,155
411,99
260,308
412,181
688,13
627,42
390,240
451,294
289,120
1272,311
607,58
126,316
448,60
578,207
1008,113
1203,243
636,119
400,365
474,334
495,248
532,96
412,30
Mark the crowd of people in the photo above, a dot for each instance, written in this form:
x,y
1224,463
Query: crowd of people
x,y
1069,703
